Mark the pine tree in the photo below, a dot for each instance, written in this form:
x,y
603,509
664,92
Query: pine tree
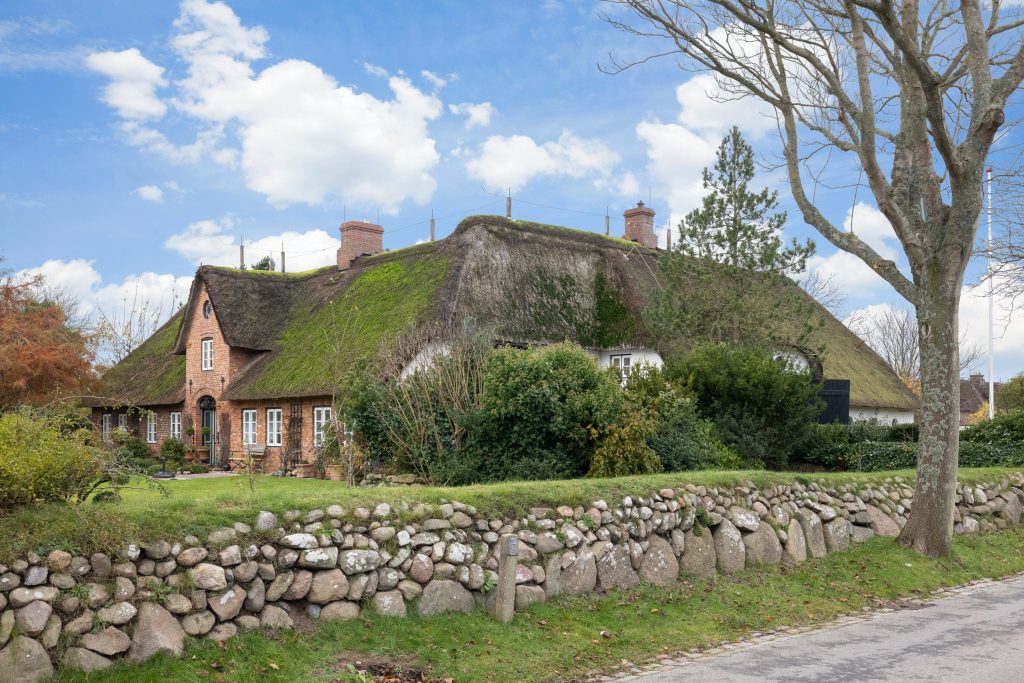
x,y
725,280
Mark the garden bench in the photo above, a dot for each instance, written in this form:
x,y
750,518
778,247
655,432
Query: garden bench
x,y
251,453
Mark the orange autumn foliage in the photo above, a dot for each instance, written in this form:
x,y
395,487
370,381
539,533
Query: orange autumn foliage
x,y
41,358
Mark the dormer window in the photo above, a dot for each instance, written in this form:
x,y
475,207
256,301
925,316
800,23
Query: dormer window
x,y
207,308
207,354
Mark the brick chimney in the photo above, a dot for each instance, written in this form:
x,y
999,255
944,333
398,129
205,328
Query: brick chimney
x,y
978,379
359,238
640,225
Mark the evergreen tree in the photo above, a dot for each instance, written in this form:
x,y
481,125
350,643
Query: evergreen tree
x,y
725,280
265,263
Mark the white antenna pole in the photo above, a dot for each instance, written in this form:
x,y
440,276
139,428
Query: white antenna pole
x,y
991,302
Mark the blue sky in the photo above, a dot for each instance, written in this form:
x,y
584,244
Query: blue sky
x,y
141,139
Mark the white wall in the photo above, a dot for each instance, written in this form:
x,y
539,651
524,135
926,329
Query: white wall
x,y
637,356
883,415
424,358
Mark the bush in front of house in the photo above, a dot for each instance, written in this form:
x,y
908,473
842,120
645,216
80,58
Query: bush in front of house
x,y
764,408
1005,429
173,449
40,463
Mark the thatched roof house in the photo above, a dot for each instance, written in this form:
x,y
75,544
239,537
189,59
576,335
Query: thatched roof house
x,y
270,335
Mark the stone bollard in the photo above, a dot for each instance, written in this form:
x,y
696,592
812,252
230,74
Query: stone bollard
x,y
505,591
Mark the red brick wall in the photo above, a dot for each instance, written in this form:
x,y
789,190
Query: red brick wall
x,y
274,454
137,422
357,238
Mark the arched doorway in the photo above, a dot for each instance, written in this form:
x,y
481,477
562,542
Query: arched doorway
x,y
208,426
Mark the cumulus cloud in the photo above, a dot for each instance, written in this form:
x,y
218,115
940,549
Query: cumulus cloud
x,y
214,242
675,158
294,132
151,193
476,114
513,161
133,83
705,107
437,81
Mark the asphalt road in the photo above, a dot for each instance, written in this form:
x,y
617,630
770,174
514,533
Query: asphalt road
x,y
974,634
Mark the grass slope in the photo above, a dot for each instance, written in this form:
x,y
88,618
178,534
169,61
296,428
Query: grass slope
x,y
198,505
569,638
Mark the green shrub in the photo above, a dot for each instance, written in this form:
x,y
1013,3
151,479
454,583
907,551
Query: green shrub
x,y
625,450
876,456
195,468
174,450
543,414
38,463
764,408
1005,429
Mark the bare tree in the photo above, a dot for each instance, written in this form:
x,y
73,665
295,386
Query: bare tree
x,y
894,336
826,291
128,325
918,88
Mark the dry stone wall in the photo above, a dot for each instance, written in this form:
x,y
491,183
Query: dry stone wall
x,y
83,612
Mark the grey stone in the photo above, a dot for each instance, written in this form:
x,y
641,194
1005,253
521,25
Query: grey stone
x,y
51,632
81,624
699,553
388,578
881,523
21,596
327,586
230,556
255,596
36,576
221,536
58,560
156,631
528,595
9,581
24,661
861,534
410,590
80,659
6,626
729,549
795,550
245,572
744,519
176,603
547,542
299,541
198,623
422,568
208,577
659,565
100,564
222,632
248,622
31,619
615,569
279,585
124,589
339,611
358,561
580,576
389,603
265,521
110,641
837,535
228,604
117,614
441,596
762,546
157,550
192,556
813,533
318,558
274,617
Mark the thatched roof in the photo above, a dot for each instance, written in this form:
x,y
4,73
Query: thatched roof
x,y
531,283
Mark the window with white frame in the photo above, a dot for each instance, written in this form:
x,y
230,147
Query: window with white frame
x,y
150,427
321,416
207,354
175,426
622,364
274,421
105,422
122,421
248,427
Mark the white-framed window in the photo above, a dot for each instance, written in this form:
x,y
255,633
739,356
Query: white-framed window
x,y
150,427
175,426
207,354
122,421
105,427
622,364
248,427
321,416
274,422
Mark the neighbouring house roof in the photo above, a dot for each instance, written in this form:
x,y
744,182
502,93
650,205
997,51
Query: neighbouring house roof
x,y
973,393
530,283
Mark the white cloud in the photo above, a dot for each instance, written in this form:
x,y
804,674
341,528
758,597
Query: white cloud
x,y
134,80
702,108
295,133
675,158
435,80
476,114
375,70
213,242
151,193
1008,328
514,161
849,271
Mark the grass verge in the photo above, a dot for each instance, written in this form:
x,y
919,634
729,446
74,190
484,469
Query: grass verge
x,y
195,506
570,638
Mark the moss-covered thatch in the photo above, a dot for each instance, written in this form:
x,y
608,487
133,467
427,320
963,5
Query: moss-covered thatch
x,y
150,375
531,283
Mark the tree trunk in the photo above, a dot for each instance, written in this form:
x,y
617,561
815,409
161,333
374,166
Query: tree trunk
x,y
929,528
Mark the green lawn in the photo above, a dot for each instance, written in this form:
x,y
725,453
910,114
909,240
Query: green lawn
x,y
568,638
195,506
